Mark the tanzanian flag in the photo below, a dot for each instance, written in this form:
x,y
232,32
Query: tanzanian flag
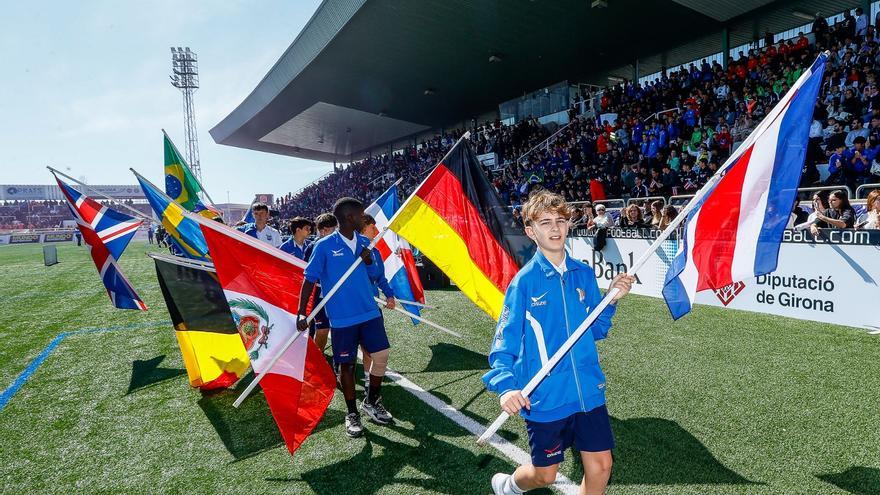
x,y
457,220
209,342
183,232
180,183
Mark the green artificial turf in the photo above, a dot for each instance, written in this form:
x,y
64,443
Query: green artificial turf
x,y
720,402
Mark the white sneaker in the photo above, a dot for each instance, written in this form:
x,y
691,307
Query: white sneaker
x,y
499,481
353,426
377,412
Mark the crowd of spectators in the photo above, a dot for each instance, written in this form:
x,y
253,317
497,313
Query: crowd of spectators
x,y
48,214
32,214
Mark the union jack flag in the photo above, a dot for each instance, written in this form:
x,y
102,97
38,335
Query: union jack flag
x,y
107,233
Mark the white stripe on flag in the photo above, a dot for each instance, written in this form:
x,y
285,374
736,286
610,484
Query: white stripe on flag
x,y
98,216
753,203
118,230
281,325
690,276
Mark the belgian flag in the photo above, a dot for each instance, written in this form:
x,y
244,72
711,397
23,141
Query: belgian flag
x,y
457,220
209,342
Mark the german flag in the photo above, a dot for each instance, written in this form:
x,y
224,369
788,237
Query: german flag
x,y
457,220
209,342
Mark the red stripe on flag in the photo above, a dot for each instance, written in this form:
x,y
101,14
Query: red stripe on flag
x,y
443,192
412,273
298,406
383,248
248,270
715,232
122,231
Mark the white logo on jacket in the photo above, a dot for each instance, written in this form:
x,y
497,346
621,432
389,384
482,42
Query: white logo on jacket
x,y
539,301
337,252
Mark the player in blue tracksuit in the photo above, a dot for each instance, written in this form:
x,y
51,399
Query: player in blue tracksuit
x,y
354,317
300,229
545,303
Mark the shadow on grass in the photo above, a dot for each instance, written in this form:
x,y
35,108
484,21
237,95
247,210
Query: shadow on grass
x,y
450,357
858,480
446,468
656,451
250,429
145,373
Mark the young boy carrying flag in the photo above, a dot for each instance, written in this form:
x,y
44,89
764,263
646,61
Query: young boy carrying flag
x,y
546,301
354,317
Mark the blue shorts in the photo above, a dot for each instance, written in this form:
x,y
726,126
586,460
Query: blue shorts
x,y
587,431
346,340
321,322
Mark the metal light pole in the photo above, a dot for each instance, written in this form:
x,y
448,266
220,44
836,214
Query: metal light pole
x,y
185,77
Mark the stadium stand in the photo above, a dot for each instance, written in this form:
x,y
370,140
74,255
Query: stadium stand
x,y
670,133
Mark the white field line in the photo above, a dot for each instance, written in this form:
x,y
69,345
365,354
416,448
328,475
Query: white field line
x,y
511,451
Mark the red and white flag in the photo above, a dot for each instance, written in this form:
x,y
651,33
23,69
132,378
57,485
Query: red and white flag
x,y
262,285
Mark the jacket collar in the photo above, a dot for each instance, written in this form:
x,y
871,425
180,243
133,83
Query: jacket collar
x,y
548,268
340,239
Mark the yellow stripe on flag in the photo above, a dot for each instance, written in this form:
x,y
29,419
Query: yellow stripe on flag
x,y
419,224
206,355
171,218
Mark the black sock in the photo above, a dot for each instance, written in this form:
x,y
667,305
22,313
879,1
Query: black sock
x,y
375,387
351,404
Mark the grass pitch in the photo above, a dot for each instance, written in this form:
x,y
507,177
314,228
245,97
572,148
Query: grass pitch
x,y
721,402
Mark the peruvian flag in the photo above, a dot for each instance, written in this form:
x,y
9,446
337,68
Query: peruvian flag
x,y
400,265
262,286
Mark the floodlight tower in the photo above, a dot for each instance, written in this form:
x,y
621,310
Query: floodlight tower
x,y
185,77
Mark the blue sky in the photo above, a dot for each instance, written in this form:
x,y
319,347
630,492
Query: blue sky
x,y
85,85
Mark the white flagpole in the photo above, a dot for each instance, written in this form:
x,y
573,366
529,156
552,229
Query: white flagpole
x,y
140,215
402,205
417,317
582,328
325,298
271,251
415,303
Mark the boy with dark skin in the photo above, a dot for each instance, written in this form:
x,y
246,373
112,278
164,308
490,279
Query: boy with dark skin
x,y
354,317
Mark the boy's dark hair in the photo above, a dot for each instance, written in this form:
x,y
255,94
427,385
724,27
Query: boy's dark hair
x,y
259,206
344,206
369,220
300,222
326,220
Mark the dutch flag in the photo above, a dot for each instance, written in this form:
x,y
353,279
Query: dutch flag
x,y
733,232
400,266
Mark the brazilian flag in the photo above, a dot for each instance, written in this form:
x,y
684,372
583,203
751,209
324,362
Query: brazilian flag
x,y
180,183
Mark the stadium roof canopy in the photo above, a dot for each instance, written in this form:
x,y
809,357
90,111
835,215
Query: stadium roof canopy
x,y
363,74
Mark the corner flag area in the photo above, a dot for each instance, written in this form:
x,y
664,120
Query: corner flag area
x,y
97,401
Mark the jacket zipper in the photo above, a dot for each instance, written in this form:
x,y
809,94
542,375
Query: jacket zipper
x,y
571,352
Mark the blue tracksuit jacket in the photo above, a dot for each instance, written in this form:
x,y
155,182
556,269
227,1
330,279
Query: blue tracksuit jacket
x,y
541,309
